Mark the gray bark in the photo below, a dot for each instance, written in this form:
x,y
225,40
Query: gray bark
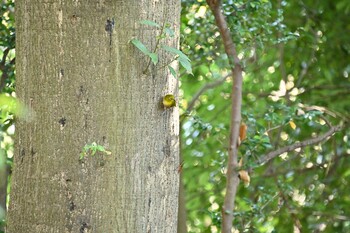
x,y
83,86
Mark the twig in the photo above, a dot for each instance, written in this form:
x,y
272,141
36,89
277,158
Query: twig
x,y
290,209
3,68
265,158
232,180
326,120
156,47
331,216
334,162
205,88
163,66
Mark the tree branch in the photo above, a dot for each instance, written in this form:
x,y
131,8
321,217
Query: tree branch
x,y
4,68
205,88
333,129
232,180
332,163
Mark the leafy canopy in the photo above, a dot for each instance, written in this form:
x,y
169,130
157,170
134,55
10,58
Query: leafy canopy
x,y
296,62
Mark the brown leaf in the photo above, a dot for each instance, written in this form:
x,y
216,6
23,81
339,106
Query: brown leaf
x,y
244,176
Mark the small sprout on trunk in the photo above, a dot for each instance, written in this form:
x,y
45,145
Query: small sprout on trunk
x,y
91,149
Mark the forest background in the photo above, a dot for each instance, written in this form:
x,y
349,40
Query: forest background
x,y
296,64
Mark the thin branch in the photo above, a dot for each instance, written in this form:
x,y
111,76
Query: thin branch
x,y
326,120
13,61
332,163
232,180
167,64
308,142
3,78
156,47
287,204
205,88
331,216
326,87
3,68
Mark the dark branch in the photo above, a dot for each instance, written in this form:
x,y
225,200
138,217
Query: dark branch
x,y
332,163
3,68
308,142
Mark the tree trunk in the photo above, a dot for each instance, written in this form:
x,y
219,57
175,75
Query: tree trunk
x,y
182,214
84,84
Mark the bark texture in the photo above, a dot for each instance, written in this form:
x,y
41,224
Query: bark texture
x,y
84,84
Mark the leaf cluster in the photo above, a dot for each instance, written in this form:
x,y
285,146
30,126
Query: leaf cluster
x,y
92,149
166,31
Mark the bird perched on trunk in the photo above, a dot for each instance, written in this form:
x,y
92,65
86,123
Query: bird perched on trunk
x,y
169,101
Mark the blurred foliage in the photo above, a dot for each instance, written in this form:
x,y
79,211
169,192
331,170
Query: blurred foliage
x,y
296,66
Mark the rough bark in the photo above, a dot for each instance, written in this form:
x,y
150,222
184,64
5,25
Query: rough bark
x,y
84,85
182,214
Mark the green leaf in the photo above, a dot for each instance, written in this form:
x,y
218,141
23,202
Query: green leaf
x,y
154,58
186,64
144,50
161,36
93,151
176,52
100,148
172,71
150,23
138,44
169,32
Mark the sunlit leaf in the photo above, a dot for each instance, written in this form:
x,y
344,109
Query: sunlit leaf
x,y
172,71
186,64
138,44
176,52
154,58
292,125
169,32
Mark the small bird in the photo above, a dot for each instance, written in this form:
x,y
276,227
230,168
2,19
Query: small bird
x,y
169,101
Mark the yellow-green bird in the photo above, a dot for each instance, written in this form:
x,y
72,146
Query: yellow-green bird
x,y
169,101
